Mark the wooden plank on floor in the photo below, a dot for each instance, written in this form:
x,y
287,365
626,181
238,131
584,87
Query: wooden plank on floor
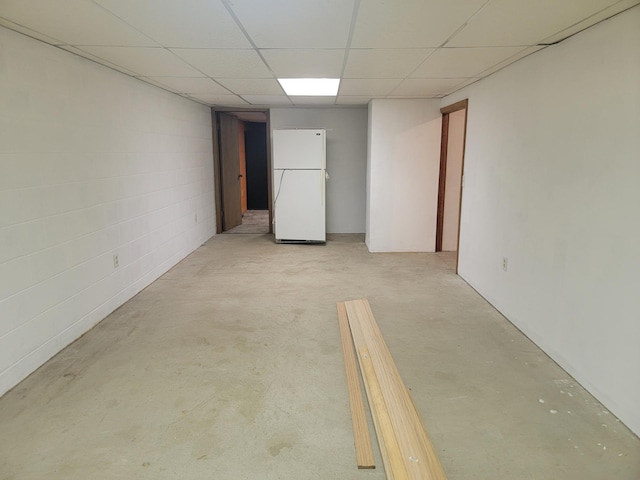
x,y
358,340
362,438
379,408
416,449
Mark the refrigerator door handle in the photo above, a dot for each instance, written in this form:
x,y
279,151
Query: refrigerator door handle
x,y
323,185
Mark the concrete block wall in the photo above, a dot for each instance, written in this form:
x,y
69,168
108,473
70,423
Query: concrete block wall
x,y
93,164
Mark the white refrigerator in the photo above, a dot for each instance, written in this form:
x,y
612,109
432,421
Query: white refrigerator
x,y
299,182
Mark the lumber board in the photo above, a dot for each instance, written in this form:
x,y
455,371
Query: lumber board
x,y
417,451
358,340
362,438
379,408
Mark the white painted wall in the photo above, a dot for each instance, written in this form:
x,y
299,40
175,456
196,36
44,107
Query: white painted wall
x,y
552,181
455,150
346,159
402,175
92,163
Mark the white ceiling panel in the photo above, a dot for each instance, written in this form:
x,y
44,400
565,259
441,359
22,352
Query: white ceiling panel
x,y
74,22
145,62
421,87
462,62
592,20
252,86
410,23
353,99
228,100
384,63
376,87
230,52
301,100
101,61
513,22
304,62
31,33
186,24
225,63
267,99
190,85
509,61
295,24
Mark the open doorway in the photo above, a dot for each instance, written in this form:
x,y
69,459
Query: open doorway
x,y
454,127
241,171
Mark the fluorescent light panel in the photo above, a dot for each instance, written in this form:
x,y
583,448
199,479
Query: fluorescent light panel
x,y
310,87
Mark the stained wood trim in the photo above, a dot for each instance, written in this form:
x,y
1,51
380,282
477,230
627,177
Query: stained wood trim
x,y
442,180
462,104
216,171
416,449
362,438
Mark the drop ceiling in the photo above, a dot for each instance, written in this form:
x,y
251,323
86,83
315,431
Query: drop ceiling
x,y
229,53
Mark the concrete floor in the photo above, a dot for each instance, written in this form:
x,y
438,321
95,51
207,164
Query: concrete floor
x,y
230,367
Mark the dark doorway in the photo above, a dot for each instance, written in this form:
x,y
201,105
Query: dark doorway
x,y
255,141
242,171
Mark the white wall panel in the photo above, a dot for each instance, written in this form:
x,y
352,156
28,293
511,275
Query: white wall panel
x,y
402,175
92,164
552,181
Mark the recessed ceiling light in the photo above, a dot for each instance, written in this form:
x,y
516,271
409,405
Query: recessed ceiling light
x,y
310,87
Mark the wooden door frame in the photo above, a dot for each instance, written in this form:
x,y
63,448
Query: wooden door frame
x,y
216,161
442,179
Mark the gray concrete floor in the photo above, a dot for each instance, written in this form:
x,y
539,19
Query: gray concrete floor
x,y
230,367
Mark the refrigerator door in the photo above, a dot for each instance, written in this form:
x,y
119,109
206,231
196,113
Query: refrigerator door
x,y
299,207
299,149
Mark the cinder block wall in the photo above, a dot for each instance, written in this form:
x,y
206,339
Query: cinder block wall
x,y
93,164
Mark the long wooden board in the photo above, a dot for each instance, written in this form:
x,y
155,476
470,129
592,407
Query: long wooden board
x,y
417,452
397,468
362,439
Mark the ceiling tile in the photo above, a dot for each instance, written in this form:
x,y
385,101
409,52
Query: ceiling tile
x,y
424,87
146,62
510,60
190,85
618,7
221,100
353,99
304,62
298,24
267,99
462,62
252,86
301,100
93,58
29,32
74,22
225,63
410,23
379,87
509,22
187,23
384,63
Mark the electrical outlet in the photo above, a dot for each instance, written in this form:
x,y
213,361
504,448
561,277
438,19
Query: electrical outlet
x,y
505,263
116,261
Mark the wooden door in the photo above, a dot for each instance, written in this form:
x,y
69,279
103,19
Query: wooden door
x,y
230,171
243,167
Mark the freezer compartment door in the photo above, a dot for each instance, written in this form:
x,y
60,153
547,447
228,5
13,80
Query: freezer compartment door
x,y
299,206
299,149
